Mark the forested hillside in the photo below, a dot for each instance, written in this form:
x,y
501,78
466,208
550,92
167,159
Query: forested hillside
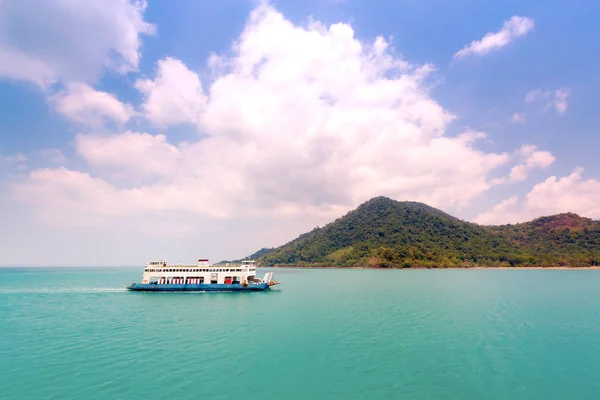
x,y
389,234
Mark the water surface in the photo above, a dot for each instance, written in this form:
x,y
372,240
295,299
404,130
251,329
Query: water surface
x,y
323,334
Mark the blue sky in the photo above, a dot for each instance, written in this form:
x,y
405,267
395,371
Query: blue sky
x,y
178,130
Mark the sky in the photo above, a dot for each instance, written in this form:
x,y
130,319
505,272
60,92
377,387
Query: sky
x,y
134,130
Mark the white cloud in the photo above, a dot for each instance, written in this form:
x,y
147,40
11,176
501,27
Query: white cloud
x,y
174,97
77,194
131,154
82,104
533,158
556,99
570,193
513,28
74,40
502,209
302,123
517,118
537,94
560,100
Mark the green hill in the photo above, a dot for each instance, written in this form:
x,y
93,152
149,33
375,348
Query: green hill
x,y
389,234
562,240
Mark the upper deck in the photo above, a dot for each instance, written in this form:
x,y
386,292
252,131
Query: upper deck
x,y
161,271
202,266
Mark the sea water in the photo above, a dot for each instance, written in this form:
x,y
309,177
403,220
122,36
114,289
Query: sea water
x,y
76,333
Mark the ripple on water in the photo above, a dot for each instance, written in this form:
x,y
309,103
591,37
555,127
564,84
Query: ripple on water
x,y
324,334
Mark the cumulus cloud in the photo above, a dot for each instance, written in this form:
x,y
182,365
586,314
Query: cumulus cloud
x,y
83,104
174,97
513,28
297,121
500,212
570,193
130,155
533,158
50,41
554,99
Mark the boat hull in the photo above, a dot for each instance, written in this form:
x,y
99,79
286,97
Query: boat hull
x,y
202,287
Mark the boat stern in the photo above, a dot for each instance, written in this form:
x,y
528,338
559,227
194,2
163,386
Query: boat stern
x,y
268,279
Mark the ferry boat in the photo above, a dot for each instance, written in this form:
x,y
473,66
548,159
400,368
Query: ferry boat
x,y
159,276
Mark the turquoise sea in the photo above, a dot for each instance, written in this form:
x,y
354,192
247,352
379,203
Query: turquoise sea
x,y
74,333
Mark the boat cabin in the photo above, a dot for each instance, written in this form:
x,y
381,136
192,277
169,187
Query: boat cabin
x,y
159,272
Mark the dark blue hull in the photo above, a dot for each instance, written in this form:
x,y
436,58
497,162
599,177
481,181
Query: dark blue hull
x,y
202,287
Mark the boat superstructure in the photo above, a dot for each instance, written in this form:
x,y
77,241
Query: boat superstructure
x,y
160,276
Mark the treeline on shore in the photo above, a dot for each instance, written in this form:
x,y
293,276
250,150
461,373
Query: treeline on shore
x,y
383,233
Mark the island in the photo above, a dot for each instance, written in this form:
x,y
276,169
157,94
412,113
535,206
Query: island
x,y
384,233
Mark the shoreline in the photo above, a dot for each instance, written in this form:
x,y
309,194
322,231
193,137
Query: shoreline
x,y
421,268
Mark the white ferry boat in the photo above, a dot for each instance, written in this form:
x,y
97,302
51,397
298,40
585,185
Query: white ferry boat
x,y
202,277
